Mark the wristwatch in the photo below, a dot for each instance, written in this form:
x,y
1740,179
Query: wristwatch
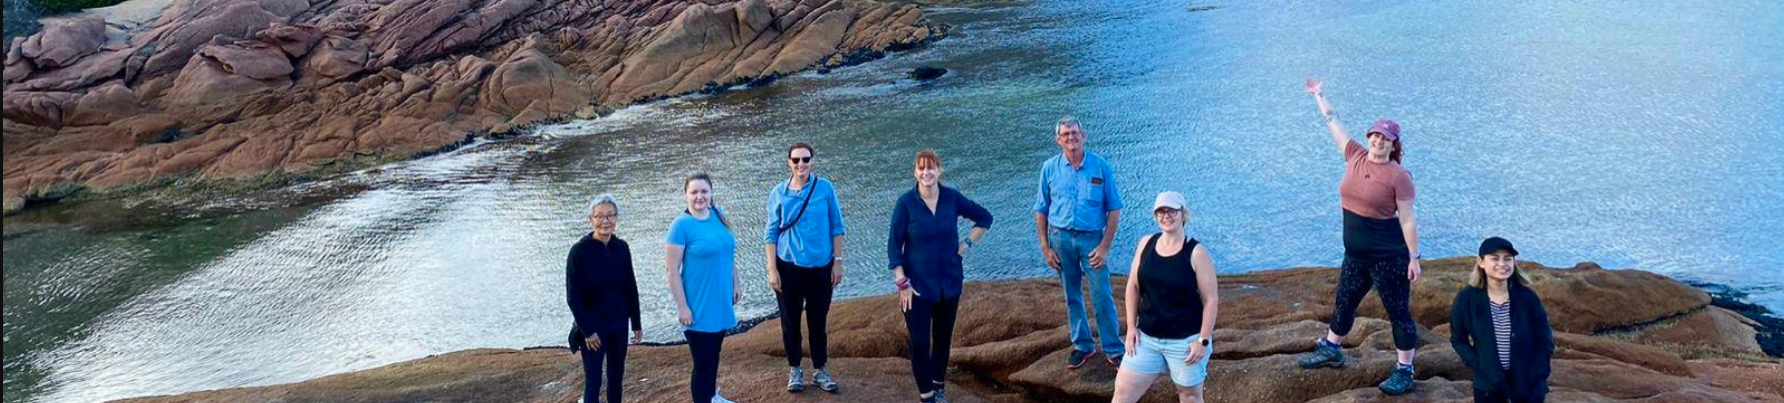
x,y
1206,343
968,241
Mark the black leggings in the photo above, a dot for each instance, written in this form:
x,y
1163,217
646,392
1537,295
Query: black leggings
x,y
1481,396
613,352
705,346
805,290
1388,276
931,328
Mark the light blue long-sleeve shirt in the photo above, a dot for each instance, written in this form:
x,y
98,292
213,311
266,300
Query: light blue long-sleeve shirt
x,y
806,242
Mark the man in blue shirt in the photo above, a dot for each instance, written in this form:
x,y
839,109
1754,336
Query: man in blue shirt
x,y
1077,210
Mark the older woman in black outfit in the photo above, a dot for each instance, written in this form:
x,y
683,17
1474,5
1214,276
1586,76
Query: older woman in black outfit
x,y
603,296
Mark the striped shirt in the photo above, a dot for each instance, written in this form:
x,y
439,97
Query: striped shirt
x,y
1502,332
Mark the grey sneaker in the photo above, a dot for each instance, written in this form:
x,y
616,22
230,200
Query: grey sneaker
x,y
941,395
1399,383
1323,356
796,380
824,382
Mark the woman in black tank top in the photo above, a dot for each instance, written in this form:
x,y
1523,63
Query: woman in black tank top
x,y
1172,300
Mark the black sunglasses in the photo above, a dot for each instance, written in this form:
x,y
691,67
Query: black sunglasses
x,y
802,160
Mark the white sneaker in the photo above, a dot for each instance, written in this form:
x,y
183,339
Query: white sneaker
x,y
720,399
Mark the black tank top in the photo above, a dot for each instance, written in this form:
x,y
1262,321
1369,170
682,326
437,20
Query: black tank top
x,y
1170,302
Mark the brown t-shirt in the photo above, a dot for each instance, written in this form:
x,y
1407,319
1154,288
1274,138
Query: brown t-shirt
x,y
1370,189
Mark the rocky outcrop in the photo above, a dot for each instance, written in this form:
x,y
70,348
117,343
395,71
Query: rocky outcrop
x,y
224,89
1010,346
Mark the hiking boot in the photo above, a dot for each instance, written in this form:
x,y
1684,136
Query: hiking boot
x,y
1399,383
823,380
1078,358
796,380
1323,355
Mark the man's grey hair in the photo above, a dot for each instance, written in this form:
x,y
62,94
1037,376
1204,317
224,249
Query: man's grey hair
x,y
1068,121
603,199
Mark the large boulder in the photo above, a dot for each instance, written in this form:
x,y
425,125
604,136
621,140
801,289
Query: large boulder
x,y
388,78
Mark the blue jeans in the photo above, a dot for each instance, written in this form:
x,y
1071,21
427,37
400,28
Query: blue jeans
x,y
1074,250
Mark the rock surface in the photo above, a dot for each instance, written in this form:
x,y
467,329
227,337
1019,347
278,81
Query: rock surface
x,y
1010,346
226,89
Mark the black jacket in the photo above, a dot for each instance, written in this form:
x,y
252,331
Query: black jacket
x,y
1532,342
600,288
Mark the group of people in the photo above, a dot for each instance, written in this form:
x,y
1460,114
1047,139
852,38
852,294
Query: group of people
x,y
1498,325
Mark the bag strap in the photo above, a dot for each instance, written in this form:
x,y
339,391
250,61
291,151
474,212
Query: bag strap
x,y
810,191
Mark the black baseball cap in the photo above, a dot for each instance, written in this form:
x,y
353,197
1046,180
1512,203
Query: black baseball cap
x,y
1496,244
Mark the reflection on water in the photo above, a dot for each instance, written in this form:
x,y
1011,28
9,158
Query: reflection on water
x,y
1583,131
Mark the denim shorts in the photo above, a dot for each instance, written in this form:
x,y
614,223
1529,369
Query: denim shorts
x,y
1155,356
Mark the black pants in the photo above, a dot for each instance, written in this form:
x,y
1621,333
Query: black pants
x,y
1388,276
704,381
931,327
808,290
1481,396
613,352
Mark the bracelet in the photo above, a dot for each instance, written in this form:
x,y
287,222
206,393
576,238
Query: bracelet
x,y
1330,117
903,283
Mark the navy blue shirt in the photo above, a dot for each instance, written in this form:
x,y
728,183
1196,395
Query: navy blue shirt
x,y
927,244
599,285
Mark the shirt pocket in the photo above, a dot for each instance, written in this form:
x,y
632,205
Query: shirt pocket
x,y
1090,193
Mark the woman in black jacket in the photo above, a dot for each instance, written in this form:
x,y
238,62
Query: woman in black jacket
x,y
1500,329
603,297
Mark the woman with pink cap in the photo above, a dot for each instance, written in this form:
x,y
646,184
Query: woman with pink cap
x,y
1381,246
1172,299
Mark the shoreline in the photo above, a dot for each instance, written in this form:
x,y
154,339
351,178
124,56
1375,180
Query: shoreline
x,y
1265,318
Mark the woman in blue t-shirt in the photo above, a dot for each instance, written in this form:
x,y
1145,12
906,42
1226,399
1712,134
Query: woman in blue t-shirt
x,y
925,252
701,262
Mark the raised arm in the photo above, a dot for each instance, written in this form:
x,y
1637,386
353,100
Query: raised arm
x,y
1339,136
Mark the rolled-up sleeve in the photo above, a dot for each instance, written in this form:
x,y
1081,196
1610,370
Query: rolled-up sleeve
x,y
1042,198
837,228
771,231
895,236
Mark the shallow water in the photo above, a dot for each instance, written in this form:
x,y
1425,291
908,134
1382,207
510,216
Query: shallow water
x,y
1636,136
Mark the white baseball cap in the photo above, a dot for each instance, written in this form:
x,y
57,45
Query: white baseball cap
x,y
1169,199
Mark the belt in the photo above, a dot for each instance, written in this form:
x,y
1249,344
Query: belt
x,y
1076,231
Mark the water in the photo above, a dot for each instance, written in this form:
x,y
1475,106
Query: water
x,y
1637,136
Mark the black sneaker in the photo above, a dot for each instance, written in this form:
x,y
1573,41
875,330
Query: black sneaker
x,y
1399,383
1115,360
1323,356
1078,358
